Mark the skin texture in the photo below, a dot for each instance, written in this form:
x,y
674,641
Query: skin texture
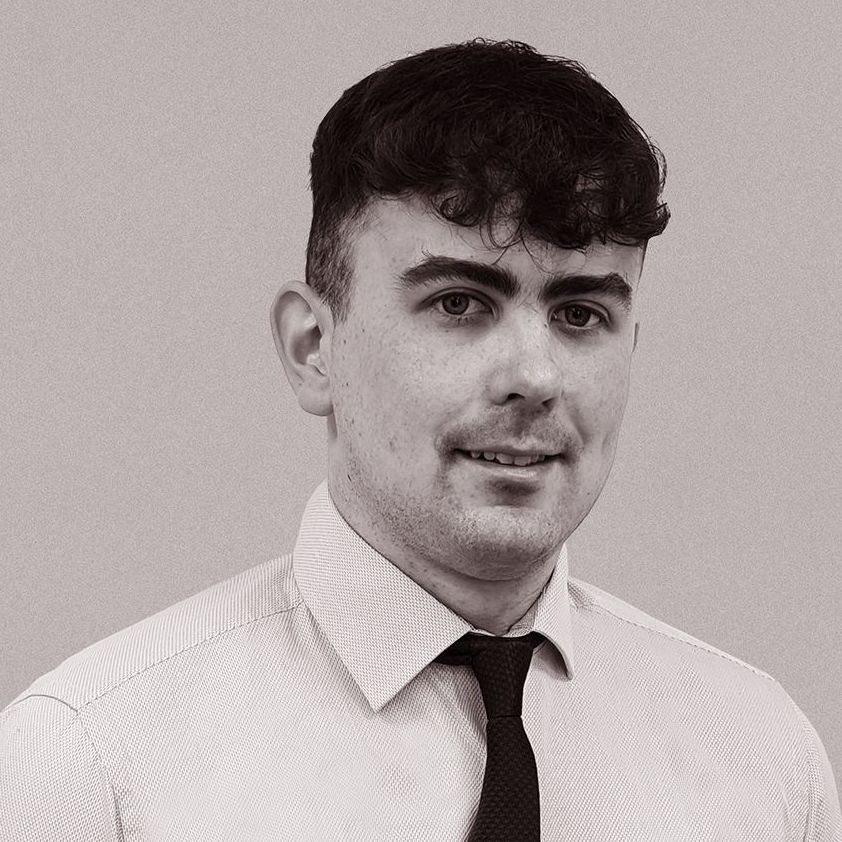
x,y
414,376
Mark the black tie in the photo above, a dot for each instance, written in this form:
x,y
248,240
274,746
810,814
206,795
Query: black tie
x,y
509,807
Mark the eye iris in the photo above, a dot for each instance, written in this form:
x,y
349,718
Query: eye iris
x,y
455,305
577,316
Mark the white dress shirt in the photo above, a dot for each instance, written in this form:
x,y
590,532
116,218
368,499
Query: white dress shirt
x,y
299,701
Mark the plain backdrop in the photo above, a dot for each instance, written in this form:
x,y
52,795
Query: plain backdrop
x,y
154,196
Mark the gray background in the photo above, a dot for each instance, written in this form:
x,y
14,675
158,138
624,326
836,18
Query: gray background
x,y
153,186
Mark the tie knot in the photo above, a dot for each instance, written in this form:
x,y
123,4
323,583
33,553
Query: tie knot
x,y
500,665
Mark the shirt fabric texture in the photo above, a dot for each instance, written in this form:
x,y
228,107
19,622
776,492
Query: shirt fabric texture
x,y
300,700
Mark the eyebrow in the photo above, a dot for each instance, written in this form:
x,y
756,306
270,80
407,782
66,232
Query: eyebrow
x,y
436,268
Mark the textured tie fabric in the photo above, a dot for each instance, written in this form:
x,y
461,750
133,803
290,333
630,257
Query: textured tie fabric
x,y
509,806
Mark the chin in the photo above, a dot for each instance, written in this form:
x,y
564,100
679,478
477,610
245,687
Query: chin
x,y
507,538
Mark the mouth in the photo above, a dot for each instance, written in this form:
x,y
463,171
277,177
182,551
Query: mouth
x,y
517,461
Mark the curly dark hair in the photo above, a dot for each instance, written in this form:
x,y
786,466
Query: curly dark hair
x,y
481,130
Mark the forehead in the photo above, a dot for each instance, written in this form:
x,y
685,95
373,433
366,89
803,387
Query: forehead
x,y
400,233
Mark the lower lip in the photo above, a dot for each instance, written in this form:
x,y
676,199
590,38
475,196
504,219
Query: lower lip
x,y
523,473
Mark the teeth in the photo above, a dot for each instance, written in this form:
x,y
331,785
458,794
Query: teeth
x,y
507,459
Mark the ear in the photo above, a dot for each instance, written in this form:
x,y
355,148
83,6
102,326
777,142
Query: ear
x,y
636,331
302,326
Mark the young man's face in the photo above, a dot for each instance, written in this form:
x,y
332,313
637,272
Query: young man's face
x,y
424,374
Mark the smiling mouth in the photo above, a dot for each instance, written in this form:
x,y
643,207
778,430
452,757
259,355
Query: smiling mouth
x,y
508,459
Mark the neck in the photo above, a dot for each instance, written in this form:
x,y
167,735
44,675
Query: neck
x,y
493,606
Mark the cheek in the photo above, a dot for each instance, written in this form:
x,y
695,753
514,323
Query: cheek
x,y
383,392
602,400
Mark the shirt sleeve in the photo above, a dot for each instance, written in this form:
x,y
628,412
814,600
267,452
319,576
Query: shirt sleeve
x,y
52,784
824,821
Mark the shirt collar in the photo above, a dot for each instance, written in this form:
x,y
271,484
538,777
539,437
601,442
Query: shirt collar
x,y
384,626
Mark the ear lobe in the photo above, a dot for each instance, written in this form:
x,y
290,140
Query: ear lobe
x,y
302,327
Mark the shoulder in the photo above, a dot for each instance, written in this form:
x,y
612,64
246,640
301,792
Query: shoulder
x,y
257,593
620,618
734,703
665,665
52,783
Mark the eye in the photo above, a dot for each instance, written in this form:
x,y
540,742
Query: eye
x,y
458,305
579,316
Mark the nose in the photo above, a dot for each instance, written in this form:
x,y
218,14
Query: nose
x,y
528,364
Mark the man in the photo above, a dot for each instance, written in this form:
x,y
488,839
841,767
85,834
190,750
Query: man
x,y
421,667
